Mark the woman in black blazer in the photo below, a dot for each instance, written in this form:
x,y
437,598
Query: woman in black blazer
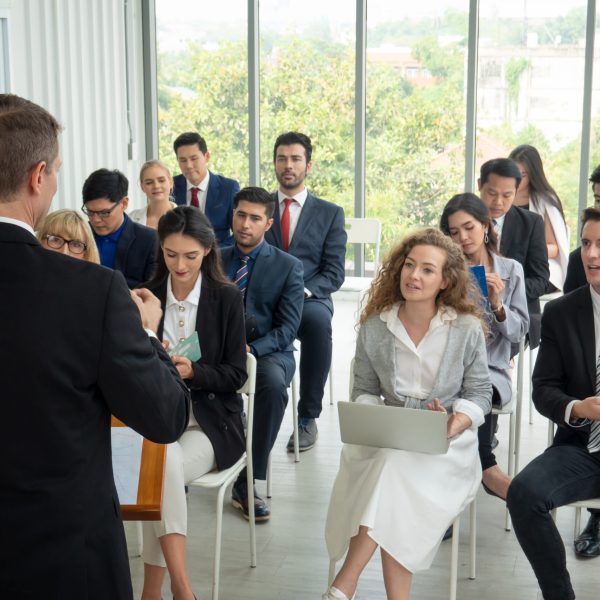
x,y
195,296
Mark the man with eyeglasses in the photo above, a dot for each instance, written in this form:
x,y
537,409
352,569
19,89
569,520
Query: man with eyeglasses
x,y
123,244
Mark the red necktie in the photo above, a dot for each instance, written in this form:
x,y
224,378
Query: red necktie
x,y
285,224
194,201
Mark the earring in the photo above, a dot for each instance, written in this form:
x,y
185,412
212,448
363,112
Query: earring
x,y
486,239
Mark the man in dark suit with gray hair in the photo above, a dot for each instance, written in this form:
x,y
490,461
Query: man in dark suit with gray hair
x,y
73,351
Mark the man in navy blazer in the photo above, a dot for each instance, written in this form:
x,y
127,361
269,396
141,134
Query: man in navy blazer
x,y
520,233
123,244
313,231
271,283
197,186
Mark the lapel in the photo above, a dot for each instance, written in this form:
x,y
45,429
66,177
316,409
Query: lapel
x,y
205,317
126,238
508,231
445,372
161,293
305,215
212,194
585,317
275,232
260,268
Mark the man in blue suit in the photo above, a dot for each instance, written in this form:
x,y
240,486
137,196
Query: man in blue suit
x,y
197,186
123,244
271,283
313,231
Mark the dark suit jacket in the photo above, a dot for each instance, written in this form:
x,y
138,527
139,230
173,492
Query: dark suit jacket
x,y
136,253
319,241
523,240
274,297
575,272
219,203
221,369
73,352
565,368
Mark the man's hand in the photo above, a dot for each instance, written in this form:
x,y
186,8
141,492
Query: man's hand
x,y
587,409
149,306
183,366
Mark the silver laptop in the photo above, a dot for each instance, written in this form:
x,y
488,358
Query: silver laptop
x,y
393,427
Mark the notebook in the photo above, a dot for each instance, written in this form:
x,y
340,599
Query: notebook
x,y
393,427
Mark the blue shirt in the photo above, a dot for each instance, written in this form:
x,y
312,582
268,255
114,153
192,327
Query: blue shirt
x,y
107,245
237,263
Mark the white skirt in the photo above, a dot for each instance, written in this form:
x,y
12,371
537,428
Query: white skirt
x,y
407,500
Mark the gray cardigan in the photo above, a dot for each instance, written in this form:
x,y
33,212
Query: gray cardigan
x,y
463,372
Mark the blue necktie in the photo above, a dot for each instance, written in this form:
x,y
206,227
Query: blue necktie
x,y
241,276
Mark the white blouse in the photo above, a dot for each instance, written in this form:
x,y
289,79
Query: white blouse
x,y
180,315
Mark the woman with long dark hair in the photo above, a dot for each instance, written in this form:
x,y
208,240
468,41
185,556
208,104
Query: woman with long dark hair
x,y
196,297
420,345
536,194
466,219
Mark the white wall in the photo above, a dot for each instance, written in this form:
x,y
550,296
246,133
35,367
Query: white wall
x,y
69,57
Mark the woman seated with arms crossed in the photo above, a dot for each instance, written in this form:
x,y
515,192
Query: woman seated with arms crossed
x,y
466,219
195,296
67,232
420,345
156,182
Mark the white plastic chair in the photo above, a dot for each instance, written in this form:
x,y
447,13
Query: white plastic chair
x,y
222,479
362,231
294,386
454,555
513,410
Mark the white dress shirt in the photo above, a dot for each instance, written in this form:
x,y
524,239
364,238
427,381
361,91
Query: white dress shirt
x,y
18,223
180,315
498,225
202,192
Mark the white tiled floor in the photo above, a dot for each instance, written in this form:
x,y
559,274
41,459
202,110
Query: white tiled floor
x,y
292,560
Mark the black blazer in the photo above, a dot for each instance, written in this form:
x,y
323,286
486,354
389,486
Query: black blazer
x,y
136,253
319,242
523,240
221,369
565,368
575,272
73,352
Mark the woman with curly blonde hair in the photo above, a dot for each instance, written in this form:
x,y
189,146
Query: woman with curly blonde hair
x,y
420,345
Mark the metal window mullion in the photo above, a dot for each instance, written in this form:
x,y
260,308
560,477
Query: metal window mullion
x,y
253,94
471,89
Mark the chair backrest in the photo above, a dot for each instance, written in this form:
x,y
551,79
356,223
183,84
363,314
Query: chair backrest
x,y
249,388
365,231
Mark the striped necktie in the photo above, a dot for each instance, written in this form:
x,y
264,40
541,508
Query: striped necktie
x,y
241,276
594,439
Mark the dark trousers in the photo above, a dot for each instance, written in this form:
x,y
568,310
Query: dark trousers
x,y
315,356
562,474
274,373
486,432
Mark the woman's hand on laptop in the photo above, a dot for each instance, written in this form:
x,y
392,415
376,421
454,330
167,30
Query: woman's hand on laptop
x,y
457,423
436,405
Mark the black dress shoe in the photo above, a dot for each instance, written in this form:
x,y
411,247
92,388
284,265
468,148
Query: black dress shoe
x,y
449,533
494,443
239,499
491,492
587,543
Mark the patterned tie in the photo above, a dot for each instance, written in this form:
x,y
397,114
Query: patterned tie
x,y
594,439
241,276
285,224
194,201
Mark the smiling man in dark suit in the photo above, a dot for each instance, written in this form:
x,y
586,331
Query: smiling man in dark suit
x,y
123,244
313,231
271,283
73,352
566,389
520,233
197,186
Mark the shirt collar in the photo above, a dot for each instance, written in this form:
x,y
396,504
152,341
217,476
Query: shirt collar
x,y
202,186
18,223
192,298
300,197
500,220
114,236
252,254
444,315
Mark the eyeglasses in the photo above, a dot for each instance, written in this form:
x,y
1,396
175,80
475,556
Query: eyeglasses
x,y
56,242
103,214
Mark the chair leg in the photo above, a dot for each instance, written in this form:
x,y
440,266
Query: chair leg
x,y
577,521
454,558
140,537
530,394
511,460
269,494
331,575
473,539
518,411
251,515
219,528
330,386
295,415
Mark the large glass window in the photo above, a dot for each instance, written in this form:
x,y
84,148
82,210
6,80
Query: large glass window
x,y
203,80
416,63
530,87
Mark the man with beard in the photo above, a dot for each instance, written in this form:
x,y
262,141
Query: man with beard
x,y
313,231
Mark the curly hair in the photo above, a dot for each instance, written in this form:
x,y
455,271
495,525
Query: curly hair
x,y
460,292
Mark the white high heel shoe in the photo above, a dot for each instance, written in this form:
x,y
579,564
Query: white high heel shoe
x,y
334,594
